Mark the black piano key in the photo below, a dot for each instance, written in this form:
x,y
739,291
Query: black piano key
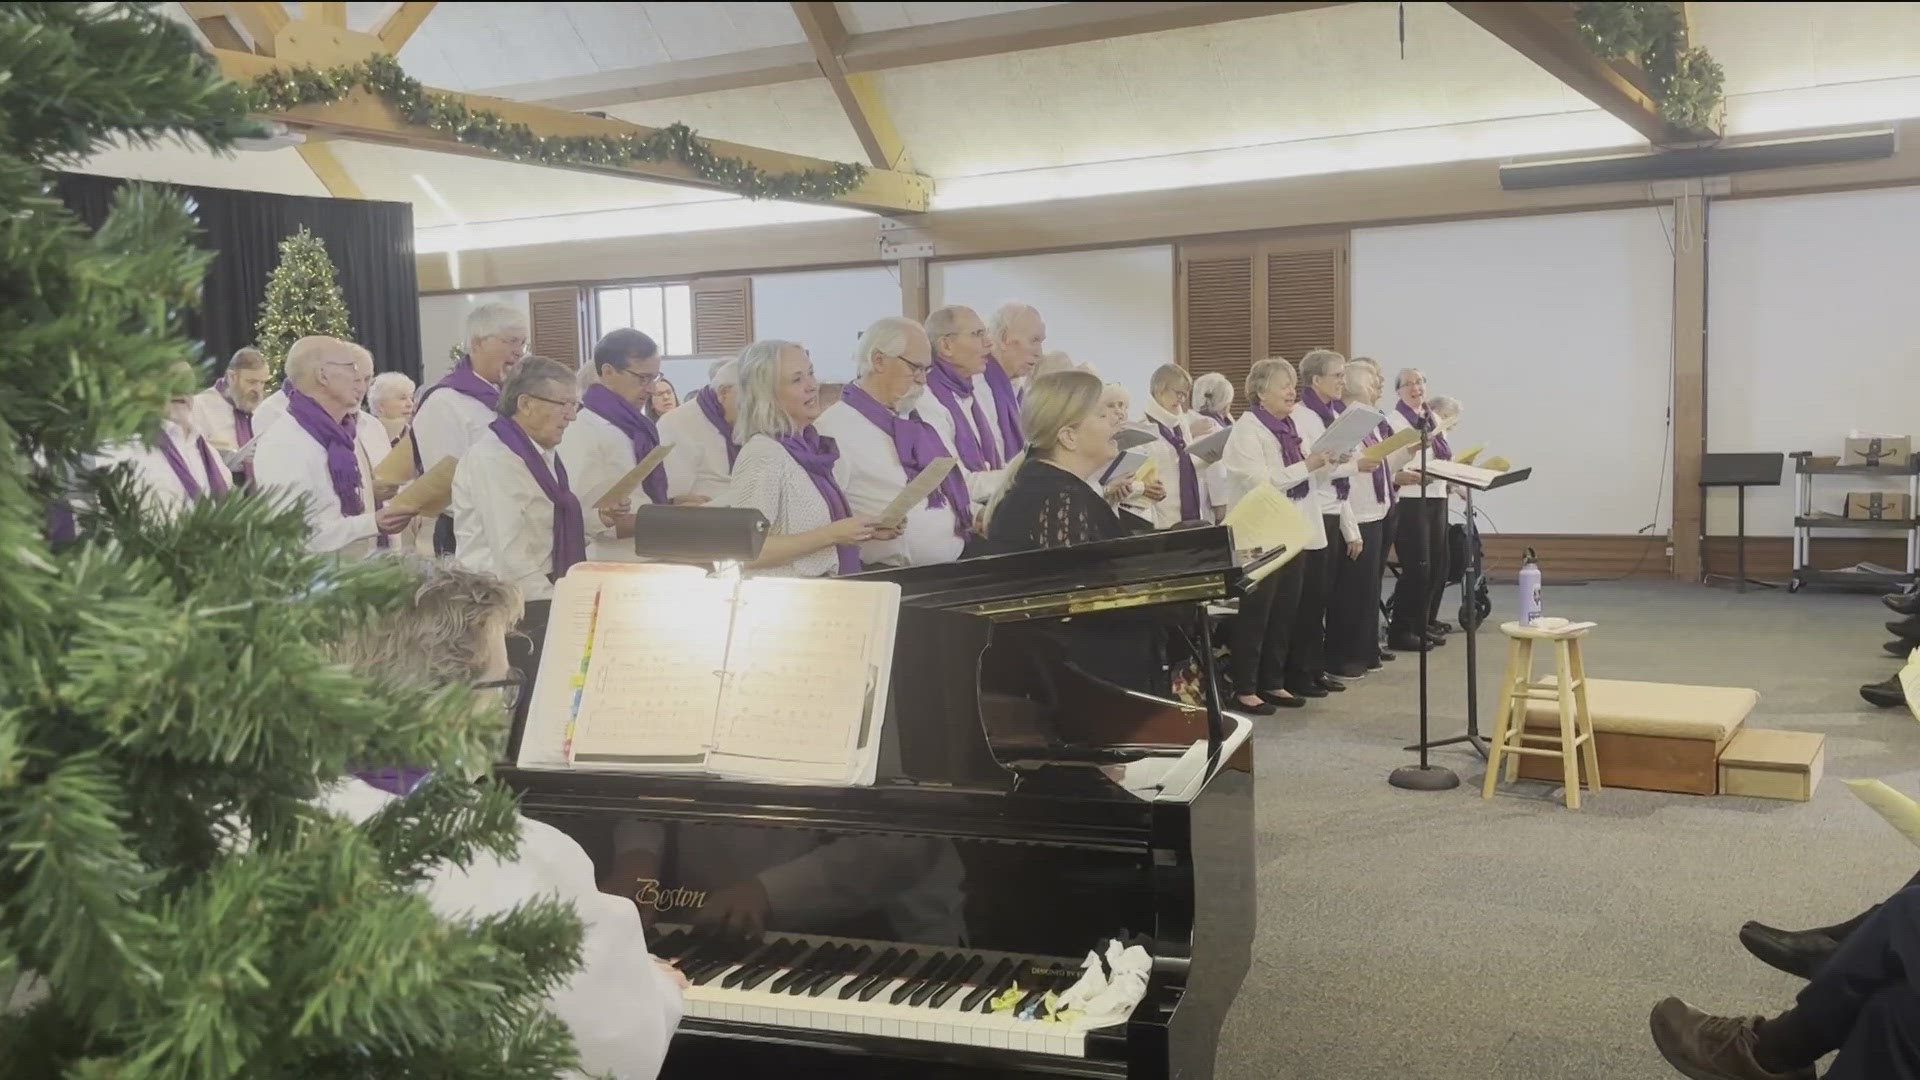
x,y
773,966
901,964
848,964
795,969
723,956
955,980
733,966
815,966
985,989
854,986
933,964
936,980
1022,973
766,961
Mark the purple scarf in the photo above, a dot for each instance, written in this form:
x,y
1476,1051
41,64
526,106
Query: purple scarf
x,y
569,524
1189,477
974,442
917,445
336,437
1220,418
1382,490
399,782
1423,420
1289,445
716,415
816,454
619,412
1006,408
242,426
171,451
1326,411
463,379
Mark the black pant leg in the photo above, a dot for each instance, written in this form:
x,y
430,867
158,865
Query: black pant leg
x,y
1876,968
1248,639
1352,618
1839,931
523,656
1385,536
1413,544
1884,1043
1442,558
1307,651
1287,582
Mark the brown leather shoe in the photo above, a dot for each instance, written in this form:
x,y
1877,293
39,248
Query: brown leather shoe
x,y
1706,1047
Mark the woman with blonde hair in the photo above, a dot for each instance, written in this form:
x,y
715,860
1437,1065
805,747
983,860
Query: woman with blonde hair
x,y
1048,499
1353,606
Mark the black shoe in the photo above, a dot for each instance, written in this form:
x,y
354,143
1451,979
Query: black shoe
x,y
1904,603
1288,702
1908,628
1355,670
1376,663
1265,708
1436,640
1440,627
1305,691
1898,647
1706,1047
1409,643
1796,952
1388,656
1886,694
1332,685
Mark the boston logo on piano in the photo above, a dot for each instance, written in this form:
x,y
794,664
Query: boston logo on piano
x,y
1032,800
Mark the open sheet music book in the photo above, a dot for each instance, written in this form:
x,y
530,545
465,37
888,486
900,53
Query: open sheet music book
x,y
1472,476
656,668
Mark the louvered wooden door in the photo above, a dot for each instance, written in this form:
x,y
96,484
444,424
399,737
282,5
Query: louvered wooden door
x,y
1245,300
555,326
1216,307
722,315
1306,295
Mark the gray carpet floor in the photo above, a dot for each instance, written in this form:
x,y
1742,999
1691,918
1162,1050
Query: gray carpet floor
x,y
1435,935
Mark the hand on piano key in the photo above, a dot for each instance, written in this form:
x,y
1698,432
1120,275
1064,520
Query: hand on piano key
x,y
867,987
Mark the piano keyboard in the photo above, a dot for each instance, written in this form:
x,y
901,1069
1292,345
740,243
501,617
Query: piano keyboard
x,y
869,987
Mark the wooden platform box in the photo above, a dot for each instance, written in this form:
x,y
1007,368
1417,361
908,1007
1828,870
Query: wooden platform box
x,y
1773,764
1650,736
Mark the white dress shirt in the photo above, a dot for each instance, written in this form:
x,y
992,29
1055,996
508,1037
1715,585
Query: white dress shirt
x,y
873,477
213,418
1409,457
698,464
621,1008
982,484
1253,455
1326,498
597,455
502,521
1166,513
448,424
161,491
767,479
272,408
1367,506
288,460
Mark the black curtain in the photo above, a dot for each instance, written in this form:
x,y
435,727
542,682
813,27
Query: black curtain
x,y
371,244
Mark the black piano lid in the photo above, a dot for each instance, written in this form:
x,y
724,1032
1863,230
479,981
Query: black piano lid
x,y
1134,571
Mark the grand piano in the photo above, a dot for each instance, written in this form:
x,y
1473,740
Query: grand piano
x,y
1027,811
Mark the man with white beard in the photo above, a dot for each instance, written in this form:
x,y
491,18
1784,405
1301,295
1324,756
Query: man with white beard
x,y
884,443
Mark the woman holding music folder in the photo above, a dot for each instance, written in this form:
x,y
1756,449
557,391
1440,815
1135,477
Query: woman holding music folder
x,y
790,472
1265,447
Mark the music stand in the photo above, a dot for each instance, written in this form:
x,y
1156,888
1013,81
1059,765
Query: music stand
x,y
1740,472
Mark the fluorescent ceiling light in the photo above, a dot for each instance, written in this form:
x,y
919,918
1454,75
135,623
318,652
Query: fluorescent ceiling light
x,y
724,213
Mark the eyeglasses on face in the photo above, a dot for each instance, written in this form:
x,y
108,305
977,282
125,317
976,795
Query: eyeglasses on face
x,y
509,686
569,406
919,370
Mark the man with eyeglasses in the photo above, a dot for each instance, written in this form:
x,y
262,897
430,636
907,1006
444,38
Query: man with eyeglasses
x,y
448,424
325,451
963,410
884,443
612,434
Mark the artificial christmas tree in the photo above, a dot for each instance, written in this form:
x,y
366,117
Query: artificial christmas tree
x,y
172,902
302,299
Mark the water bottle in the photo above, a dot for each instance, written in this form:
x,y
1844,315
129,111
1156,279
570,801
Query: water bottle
x,y
1529,589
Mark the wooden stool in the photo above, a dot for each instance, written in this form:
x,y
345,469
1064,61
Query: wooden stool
x,y
1575,739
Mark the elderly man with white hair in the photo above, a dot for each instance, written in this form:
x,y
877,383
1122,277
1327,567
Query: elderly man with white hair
x,y
702,437
963,410
325,451
448,424
174,467
1019,341
884,443
223,413
390,400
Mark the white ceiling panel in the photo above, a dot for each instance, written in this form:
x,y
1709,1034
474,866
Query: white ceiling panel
x,y
1765,47
798,118
476,190
864,18
281,171
691,31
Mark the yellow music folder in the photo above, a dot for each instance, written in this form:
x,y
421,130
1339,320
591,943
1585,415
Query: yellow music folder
x,y
1467,458
1148,473
397,466
1910,682
1263,520
1392,444
429,495
642,469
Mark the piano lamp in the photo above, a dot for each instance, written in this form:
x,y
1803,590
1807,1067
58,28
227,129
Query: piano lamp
x,y
721,537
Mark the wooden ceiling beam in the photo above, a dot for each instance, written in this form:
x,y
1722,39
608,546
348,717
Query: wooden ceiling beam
x,y
403,22
728,71
1545,34
261,21
331,13
859,98
327,168
362,117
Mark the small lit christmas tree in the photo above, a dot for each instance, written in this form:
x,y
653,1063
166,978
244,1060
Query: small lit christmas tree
x,y
302,298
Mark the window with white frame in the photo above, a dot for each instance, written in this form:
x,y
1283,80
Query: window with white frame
x,y
662,312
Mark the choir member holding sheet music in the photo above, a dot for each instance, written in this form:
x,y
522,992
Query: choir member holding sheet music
x,y
1353,612
175,468
1184,497
1322,398
611,435
390,400
1420,531
884,443
223,413
790,472
1266,447
1213,409
453,414
964,409
702,438
326,449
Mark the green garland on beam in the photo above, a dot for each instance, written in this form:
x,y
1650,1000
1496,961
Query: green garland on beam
x,y
290,88
1686,80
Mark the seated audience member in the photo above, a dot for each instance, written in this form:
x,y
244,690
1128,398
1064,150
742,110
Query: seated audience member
x,y
621,1004
663,400
1170,389
790,472
612,434
390,400
1323,388
1049,499
454,413
884,443
962,410
175,468
1265,447
223,413
326,451
1802,952
701,464
1019,336
1420,525
1860,1000
1353,608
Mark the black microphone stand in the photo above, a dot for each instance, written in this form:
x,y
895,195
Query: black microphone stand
x,y
1424,776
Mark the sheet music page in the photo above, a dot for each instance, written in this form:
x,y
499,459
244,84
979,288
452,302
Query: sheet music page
x,y
397,466
803,672
1347,431
1392,444
1209,449
915,492
1263,520
430,493
653,682
633,477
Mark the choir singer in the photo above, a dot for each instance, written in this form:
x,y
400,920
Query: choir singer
x,y
390,400
962,411
175,468
790,472
702,436
1169,391
1049,499
1353,612
1420,526
448,424
884,443
1019,339
1323,388
223,412
611,436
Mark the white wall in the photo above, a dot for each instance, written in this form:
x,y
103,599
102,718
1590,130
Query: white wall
x,y
1111,308
824,310
1811,332
443,324
1554,332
